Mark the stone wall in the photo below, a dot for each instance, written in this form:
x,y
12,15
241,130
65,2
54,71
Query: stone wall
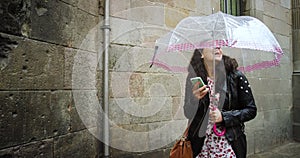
x,y
38,114
296,64
272,125
51,82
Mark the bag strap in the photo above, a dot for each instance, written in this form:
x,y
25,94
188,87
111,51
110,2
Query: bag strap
x,y
185,134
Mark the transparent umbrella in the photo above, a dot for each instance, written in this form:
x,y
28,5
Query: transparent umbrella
x,y
243,37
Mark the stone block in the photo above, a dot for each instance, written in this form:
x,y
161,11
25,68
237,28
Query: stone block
x,y
120,8
255,123
127,140
250,140
156,153
134,110
132,59
52,21
61,23
121,58
13,111
146,85
90,6
82,70
163,134
151,33
270,8
283,28
270,22
174,16
296,131
145,12
259,5
296,90
15,17
205,7
38,149
77,144
270,118
86,30
30,116
259,141
71,2
296,117
286,4
284,14
187,5
177,108
86,110
31,65
125,31
284,41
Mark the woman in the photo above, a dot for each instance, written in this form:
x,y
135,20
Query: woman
x,y
238,105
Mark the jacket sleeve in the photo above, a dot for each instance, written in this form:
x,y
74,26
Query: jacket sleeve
x,y
246,108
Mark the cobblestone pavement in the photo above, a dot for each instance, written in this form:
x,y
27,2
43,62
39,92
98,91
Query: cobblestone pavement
x,y
288,150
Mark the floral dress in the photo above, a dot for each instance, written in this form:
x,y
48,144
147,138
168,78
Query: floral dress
x,y
215,146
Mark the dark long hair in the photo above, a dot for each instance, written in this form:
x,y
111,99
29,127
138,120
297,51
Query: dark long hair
x,y
197,67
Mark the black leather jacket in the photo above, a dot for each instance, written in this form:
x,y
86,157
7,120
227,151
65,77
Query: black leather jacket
x,y
239,107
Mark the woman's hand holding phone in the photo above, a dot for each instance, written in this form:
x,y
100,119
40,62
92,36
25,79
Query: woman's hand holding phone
x,y
199,92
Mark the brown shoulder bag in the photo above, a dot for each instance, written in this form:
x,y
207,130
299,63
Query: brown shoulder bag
x,y
182,148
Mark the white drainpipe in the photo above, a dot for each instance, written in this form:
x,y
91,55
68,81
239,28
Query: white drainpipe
x,y
106,43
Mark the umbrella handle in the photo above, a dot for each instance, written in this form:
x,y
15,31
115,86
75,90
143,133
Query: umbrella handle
x,y
217,133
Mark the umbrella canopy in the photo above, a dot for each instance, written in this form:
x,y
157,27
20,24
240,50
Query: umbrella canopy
x,y
220,30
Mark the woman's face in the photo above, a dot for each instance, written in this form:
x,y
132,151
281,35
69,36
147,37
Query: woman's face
x,y
209,54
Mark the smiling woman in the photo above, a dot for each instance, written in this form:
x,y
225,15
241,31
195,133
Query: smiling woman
x,y
219,104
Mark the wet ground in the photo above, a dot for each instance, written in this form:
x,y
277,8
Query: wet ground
x,y
288,150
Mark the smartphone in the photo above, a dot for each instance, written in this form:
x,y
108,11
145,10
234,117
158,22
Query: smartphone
x,y
197,79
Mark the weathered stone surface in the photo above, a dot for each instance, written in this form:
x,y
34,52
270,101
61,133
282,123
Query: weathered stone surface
x,y
119,7
81,70
78,144
37,149
30,116
156,153
286,4
126,111
6,45
296,131
86,31
85,110
15,16
173,16
296,90
125,31
32,64
144,11
188,5
90,6
61,23
52,21
205,7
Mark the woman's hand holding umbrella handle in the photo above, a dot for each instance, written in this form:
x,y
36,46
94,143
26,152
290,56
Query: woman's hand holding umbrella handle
x,y
215,115
199,93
